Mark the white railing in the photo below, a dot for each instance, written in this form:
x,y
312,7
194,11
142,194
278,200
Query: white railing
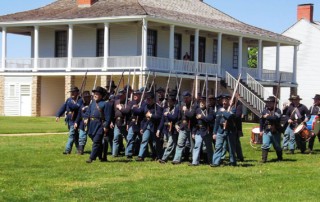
x,y
254,72
208,68
286,76
124,62
52,64
184,66
87,63
255,85
247,95
19,64
269,75
158,64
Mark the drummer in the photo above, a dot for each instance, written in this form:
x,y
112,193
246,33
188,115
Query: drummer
x,y
314,110
297,114
270,129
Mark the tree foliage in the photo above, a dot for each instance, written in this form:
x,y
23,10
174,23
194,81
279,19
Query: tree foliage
x,y
252,57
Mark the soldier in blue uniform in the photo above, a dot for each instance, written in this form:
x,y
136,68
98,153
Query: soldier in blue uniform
x,y
200,133
270,129
184,126
121,112
224,130
79,124
149,124
314,110
166,127
297,113
134,123
71,107
97,118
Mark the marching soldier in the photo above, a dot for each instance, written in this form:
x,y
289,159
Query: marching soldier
x,y
314,110
79,124
224,130
149,124
200,133
270,129
134,123
97,118
120,130
166,127
184,127
237,110
297,114
71,107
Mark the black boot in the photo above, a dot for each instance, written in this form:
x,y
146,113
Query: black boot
x,y
279,155
80,149
264,155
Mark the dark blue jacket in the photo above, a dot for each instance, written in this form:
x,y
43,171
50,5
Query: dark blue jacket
x,y
221,118
154,121
187,118
81,114
170,120
99,116
203,123
272,120
70,107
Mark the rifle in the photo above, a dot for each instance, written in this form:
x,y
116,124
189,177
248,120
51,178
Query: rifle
x,y
207,86
83,85
118,83
110,83
141,99
128,85
152,84
233,95
193,89
133,82
167,89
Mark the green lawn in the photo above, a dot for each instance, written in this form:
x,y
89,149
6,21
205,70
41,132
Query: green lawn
x,y
13,125
33,169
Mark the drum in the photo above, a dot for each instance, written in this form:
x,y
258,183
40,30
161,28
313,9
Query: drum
x,y
314,124
303,132
255,135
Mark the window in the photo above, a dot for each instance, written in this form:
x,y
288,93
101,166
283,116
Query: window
x,y
177,46
61,49
235,55
152,43
100,42
202,48
215,52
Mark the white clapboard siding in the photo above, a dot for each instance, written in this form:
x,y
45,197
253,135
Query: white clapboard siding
x,y
308,61
14,88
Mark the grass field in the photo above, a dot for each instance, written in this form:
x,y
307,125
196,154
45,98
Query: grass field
x,y
33,169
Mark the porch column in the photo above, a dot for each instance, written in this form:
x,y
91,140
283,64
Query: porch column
x,y
4,48
196,60
240,56
36,96
278,62
171,47
260,60
219,54
106,46
70,47
36,49
69,82
144,51
295,56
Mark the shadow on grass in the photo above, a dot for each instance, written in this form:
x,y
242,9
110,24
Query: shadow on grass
x,y
284,160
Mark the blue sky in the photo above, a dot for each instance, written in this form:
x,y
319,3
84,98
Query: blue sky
x,y
273,15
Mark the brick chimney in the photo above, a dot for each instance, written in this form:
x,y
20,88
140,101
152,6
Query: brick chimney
x,y
85,3
305,11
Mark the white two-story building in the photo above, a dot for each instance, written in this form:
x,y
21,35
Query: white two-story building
x,y
107,37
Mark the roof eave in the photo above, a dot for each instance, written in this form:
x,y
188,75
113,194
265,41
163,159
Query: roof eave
x,y
72,21
224,31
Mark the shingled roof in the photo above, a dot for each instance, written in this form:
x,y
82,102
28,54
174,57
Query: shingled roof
x,y
184,11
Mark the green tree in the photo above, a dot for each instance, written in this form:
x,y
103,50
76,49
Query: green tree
x,y
252,57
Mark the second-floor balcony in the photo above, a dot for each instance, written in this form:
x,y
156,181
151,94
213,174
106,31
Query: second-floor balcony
x,y
121,63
